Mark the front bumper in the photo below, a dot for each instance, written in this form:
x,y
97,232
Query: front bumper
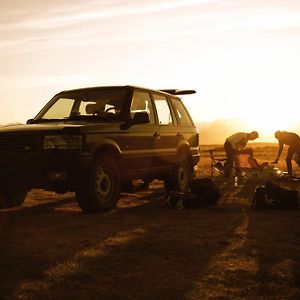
x,y
45,170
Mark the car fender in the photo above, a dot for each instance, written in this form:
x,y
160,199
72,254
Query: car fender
x,y
183,150
108,147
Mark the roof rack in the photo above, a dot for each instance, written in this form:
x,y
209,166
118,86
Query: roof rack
x,y
179,92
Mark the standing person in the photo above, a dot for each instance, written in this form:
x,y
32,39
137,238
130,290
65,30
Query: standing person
x,y
237,141
293,141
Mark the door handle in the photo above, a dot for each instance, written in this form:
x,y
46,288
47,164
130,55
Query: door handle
x,y
156,135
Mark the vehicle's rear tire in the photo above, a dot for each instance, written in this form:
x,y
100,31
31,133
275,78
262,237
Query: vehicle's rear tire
x,y
12,198
180,178
102,191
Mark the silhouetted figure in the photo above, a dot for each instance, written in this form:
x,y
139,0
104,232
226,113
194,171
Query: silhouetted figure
x,y
293,141
237,141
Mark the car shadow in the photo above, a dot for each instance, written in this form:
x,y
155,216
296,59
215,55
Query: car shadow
x,y
142,251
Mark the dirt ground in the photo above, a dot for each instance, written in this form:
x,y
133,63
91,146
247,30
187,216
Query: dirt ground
x,y
142,249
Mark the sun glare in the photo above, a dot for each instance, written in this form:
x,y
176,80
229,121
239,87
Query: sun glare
x,y
267,123
270,123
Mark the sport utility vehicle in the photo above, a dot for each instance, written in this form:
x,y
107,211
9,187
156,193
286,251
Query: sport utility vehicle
x,y
93,140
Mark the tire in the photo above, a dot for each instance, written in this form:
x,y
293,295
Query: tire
x,y
102,191
12,198
180,178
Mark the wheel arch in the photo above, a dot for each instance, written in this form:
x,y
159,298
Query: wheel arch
x,y
184,153
111,150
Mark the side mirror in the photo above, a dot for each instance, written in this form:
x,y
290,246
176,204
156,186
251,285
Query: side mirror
x,y
138,118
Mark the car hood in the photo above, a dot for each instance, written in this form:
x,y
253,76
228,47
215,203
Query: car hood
x,y
59,127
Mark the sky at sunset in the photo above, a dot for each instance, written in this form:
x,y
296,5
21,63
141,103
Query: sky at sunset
x,y
241,56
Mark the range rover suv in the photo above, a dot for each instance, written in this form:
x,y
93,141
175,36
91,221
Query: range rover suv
x,y
95,140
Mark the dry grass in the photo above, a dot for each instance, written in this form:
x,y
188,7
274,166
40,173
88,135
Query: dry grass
x,y
143,250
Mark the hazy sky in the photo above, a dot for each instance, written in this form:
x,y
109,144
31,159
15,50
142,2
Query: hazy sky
x,y
242,56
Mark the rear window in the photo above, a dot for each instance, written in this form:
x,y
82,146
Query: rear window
x,y
181,113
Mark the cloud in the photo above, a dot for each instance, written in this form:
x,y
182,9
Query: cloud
x,y
98,32
87,13
90,23
211,14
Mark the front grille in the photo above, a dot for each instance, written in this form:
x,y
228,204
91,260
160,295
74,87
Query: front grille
x,y
16,142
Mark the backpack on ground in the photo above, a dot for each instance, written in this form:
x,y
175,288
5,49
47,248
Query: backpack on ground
x,y
272,195
203,193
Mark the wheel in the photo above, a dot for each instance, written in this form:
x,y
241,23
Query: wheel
x,y
102,190
180,178
12,198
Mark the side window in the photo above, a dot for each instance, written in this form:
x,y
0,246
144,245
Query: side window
x,y
141,102
84,108
163,110
182,115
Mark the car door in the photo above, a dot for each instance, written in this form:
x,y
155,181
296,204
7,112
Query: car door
x,y
141,151
166,137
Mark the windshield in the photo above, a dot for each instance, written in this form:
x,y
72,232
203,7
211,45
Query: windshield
x,y
102,104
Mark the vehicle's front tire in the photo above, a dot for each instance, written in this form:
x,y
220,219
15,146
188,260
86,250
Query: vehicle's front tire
x,y
180,178
102,191
11,198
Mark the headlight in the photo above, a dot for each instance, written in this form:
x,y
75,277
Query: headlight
x,y
62,142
